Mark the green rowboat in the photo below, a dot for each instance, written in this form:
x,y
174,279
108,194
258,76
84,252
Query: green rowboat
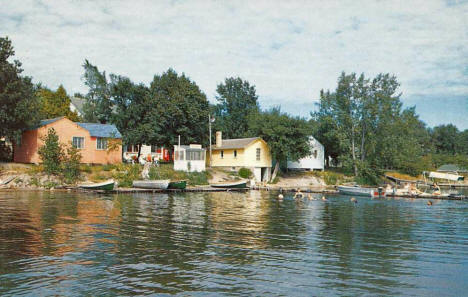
x,y
180,184
232,185
106,186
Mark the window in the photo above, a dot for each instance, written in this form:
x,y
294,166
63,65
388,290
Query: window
x,y
195,155
222,154
258,154
315,154
101,143
154,148
132,148
78,142
179,155
235,153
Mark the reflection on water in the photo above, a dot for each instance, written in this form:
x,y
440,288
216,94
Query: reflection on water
x,y
230,243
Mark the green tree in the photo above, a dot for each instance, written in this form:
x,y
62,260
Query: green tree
x,y
463,142
236,99
287,136
18,104
363,123
135,114
51,153
55,104
71,164
179,107
98,105
446,139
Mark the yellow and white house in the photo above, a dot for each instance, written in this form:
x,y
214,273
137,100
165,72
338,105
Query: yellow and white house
x,y
233,154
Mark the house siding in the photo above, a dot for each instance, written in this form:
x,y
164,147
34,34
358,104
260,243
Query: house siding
x,y
31,141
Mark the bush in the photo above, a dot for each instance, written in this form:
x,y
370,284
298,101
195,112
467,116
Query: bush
x,y
71,165
108,167
368,175
127,174
166,171
245,173
51,153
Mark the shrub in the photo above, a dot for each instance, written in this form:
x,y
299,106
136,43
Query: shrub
x,y
71,164
108,167
245,173
51,153
127,174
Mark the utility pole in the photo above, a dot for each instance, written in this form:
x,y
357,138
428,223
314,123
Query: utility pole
x,y
209,125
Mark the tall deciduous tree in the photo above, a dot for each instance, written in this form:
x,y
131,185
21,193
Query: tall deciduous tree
x,y
446,139
98,106
18,103
365,118
287,136
236,99
181,108
55,104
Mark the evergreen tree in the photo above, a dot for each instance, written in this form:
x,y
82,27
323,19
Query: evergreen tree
x,y
51,153
18,104
55,104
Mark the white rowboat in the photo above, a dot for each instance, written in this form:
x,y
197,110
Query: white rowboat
x,y
152,184
360,191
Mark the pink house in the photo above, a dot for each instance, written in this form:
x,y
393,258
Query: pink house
x,y
92,140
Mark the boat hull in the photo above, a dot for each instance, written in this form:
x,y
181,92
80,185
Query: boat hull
x,y
359,191
106,186
180,185
236,185
151,184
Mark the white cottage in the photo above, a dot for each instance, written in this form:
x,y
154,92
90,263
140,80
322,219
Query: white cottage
x,y
315,161
189,158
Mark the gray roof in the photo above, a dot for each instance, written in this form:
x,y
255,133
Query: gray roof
x,y
78,102
101,130
235,143
451,168
188,148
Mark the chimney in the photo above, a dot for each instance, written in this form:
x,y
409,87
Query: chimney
x,y
219,138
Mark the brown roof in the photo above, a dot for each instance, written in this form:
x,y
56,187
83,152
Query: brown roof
x,y
235,143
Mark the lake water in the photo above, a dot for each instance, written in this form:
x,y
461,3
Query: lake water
x,y
244,244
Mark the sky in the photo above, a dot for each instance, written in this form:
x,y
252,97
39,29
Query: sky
x,y
289,50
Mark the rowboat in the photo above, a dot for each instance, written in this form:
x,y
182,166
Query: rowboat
x,y
179,184
152,184
232,185
107,185
361,191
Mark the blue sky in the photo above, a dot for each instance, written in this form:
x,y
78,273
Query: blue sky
x,y
288,49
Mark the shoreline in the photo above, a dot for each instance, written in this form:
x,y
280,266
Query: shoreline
x,y
208,189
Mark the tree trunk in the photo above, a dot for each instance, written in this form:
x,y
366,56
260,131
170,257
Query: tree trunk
x,y
275,171
353,147
363,139
139,152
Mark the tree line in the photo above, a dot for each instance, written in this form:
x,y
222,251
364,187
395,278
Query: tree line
x,y
362,123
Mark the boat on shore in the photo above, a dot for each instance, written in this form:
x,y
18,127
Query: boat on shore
x,y
361,191
107,185
231,185
162,184
179,184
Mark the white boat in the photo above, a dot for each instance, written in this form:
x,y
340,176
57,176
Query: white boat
x,y
152,184
107,185
361,191
233,185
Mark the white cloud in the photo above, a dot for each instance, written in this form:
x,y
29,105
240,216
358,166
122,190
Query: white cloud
x,y
288,49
